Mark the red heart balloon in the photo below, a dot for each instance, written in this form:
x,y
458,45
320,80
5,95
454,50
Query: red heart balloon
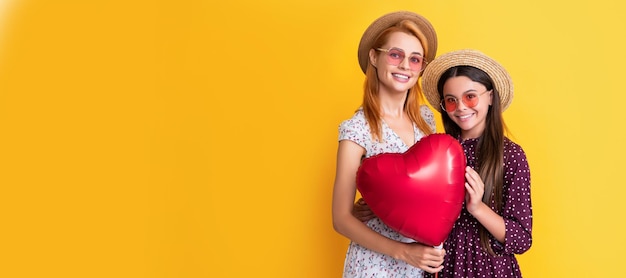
x,y
420,192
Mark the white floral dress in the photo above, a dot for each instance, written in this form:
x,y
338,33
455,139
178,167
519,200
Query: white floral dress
x,y
360,261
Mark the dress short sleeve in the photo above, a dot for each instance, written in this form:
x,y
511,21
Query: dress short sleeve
x,y
355,129
429,117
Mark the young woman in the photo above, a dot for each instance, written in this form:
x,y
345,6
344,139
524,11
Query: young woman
x,y
471,91
392,53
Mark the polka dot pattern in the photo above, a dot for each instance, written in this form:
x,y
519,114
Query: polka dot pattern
x,y
465,256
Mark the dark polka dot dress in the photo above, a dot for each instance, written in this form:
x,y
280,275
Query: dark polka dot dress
x,y
465,256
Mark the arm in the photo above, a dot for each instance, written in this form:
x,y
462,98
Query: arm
x,y
514,227
517,210
344,191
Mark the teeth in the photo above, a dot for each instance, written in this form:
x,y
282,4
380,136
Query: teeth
x,y
465,117
400,76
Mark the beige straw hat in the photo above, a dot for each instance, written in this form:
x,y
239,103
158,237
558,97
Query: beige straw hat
x,y
373,31
466,57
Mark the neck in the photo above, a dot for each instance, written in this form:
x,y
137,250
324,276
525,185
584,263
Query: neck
x,y
469,134
392,105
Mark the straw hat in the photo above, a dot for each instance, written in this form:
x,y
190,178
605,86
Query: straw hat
x,y
373,31
466,57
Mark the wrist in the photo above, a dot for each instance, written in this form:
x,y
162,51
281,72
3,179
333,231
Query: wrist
x,y
398,251
478,209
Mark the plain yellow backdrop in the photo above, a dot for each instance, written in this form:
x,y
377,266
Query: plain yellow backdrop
x,y
181,138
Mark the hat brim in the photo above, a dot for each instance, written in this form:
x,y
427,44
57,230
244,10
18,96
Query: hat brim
x,y
373,31
466,57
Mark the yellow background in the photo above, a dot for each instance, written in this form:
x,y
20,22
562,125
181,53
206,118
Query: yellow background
x,y
197,138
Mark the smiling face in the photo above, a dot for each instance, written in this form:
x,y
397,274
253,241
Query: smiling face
x,y
401,77
471,120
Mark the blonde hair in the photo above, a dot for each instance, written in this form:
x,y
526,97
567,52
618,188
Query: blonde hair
x,y
415,97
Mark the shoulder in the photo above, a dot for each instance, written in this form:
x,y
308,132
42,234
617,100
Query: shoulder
x,y
426,111
512,146
355,129
513,150
428,116
358,119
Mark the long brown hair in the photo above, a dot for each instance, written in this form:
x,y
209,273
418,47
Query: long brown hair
x,y
415,97
490,150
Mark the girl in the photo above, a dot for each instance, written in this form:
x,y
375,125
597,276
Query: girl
x,y
392,53
471,91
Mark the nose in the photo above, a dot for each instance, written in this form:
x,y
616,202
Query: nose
x,y
404,64
460,103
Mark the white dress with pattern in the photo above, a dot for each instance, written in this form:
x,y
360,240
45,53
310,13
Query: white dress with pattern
x,y
360,261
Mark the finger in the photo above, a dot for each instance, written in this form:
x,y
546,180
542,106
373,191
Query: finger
x,y
469,188
472,173
441,253
470,177
431,269
363,210
470,170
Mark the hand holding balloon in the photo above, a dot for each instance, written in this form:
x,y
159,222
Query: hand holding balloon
x,y
424,257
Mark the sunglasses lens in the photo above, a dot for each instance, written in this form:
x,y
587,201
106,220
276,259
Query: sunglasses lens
x,y
395,57
449,104
415,62
470,100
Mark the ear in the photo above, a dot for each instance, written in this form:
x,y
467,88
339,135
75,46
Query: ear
x,y
373,57
490,97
